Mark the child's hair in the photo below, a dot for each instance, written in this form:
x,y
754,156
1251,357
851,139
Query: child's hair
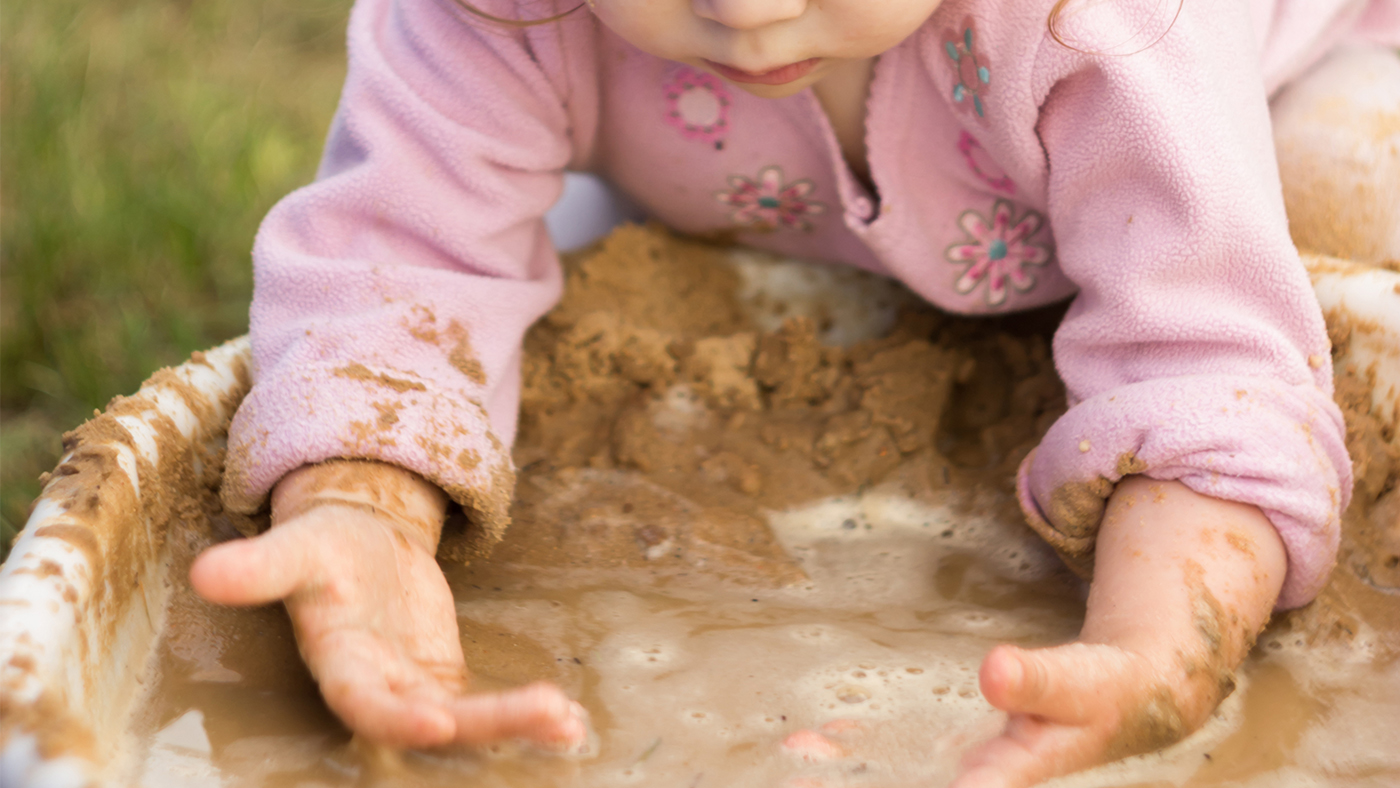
x,y
1052,24
500,20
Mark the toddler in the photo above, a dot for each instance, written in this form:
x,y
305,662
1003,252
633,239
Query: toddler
x,y
993,155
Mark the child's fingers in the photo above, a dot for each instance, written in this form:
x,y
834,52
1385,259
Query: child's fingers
x,y
996,764
1063,684
1028,751
539,712
812,746
985,776
372,710
253,571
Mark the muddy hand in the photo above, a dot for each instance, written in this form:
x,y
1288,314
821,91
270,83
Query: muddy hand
x,y
1182,583
376,624
1068,709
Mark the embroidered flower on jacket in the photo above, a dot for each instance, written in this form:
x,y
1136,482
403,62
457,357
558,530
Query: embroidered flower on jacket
x,y
698,105
974,73
997,251
767,203
982,164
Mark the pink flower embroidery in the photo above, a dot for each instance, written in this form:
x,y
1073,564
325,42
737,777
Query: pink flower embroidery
x,y
766,203
998,251
982,165
698,105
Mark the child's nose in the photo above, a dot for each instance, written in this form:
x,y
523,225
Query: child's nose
x,y
748,14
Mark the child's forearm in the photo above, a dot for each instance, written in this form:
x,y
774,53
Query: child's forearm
x,y
1186,578
1182,583
414,506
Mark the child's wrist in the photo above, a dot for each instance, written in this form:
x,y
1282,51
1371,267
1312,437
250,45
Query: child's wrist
x,y
401,498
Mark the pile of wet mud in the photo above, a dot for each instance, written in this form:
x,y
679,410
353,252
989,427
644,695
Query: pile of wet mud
x,y
723,391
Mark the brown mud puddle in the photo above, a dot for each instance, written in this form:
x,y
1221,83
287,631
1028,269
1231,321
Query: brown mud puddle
x,y
732,525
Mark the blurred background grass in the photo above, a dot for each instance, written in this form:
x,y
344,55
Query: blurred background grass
x,y
141,141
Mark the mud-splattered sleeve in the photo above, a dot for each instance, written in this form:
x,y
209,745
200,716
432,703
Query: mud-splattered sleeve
x,y
1195,349
392,294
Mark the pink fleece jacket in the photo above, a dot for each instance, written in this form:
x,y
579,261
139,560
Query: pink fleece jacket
x,y
392,294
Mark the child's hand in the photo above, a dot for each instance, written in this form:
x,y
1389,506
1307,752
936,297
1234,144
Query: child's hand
x,y
1182,584
351,552
1065,710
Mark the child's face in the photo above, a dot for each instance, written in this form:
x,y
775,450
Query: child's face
x,y
771,48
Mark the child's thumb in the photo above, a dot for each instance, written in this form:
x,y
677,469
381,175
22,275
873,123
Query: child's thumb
x,y
248,571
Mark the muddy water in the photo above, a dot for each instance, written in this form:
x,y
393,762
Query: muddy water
x,y
693,679
732,526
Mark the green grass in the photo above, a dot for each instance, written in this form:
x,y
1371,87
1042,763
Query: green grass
x,y
141,141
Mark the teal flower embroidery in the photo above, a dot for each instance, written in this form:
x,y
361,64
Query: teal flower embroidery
x,y
767,203
998,251
974,73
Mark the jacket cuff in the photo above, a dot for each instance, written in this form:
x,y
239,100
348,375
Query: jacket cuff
x,y
1252,440
351,410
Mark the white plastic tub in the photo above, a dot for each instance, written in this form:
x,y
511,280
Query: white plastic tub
x,y
84,593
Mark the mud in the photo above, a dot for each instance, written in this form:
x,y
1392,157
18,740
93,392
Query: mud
x,y
745,510
1365,589
1157,724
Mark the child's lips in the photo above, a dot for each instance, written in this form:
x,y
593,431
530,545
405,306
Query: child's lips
x,y
778,76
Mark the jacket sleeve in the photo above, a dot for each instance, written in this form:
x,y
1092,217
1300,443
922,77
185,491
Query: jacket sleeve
x,y
392,294
1195,349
